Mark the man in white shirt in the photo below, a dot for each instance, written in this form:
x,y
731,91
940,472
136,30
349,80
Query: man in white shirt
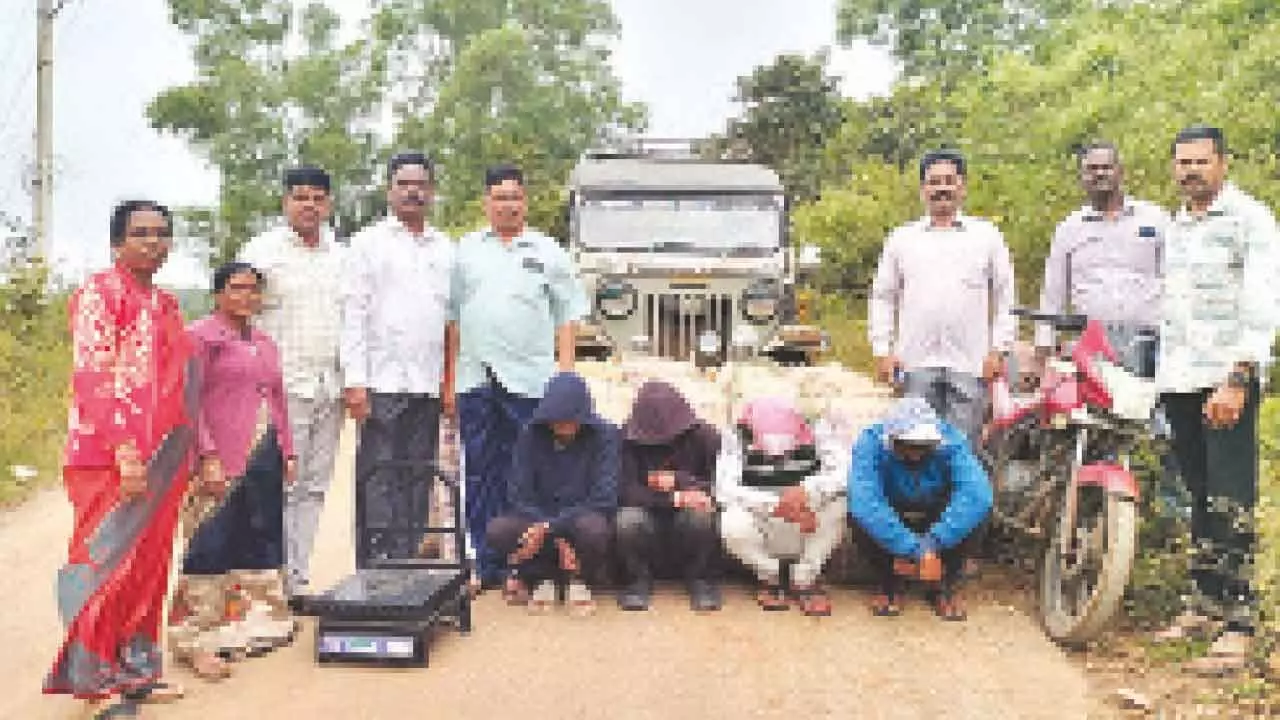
x,y
1104,262
1218,326
395,360
941,275
782,483
301,312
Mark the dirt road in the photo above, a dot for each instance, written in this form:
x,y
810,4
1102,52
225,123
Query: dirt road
x,y
667,663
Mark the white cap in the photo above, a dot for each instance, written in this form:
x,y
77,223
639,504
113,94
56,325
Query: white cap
x,y
922,433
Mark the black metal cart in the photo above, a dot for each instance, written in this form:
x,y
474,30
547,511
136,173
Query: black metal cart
x,y
386,612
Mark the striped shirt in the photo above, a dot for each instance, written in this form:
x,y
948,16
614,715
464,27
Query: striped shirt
x,y
301,308
1219,304
1107,269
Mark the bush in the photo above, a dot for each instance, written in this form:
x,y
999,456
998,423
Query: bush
x,y
34,372
1267,560
845,319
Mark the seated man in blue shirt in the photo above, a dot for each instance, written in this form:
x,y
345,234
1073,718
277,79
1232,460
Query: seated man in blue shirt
x,y
917,496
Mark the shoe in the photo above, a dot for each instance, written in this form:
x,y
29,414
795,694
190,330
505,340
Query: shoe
x,y
579,599
704,596
544,596
635,596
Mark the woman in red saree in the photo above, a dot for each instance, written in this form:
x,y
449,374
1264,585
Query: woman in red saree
x,y
128,454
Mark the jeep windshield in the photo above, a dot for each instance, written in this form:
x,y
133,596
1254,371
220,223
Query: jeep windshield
x,y
729,224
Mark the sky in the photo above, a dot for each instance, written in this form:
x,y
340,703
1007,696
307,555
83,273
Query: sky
x,y
111,57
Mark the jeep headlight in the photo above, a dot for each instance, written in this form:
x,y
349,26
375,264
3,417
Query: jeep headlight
x,y
759,303
616,299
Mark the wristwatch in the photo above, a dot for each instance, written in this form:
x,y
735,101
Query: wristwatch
x,y
1238,379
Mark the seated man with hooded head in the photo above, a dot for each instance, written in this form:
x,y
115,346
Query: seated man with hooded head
x,y
918,497
666,492
562,490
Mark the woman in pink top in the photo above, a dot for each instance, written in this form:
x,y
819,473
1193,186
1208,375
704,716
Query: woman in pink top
x,y
230,600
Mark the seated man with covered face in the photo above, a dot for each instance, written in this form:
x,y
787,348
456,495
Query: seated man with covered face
x,y
666,491
562,490
782,488
918,496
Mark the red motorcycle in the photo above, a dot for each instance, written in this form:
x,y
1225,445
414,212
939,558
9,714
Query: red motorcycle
x,y
1059,461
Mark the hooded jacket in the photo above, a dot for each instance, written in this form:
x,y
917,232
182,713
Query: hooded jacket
x,y
555,483
663,433
879,481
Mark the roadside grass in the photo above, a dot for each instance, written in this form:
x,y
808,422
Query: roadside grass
x,y
845,319
34,375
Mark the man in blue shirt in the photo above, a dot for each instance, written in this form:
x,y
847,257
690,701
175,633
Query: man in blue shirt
x,y
514,301
917,496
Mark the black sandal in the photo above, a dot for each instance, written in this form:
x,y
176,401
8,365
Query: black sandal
x,y
117,710
146,693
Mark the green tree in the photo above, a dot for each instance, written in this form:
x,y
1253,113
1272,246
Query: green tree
x,y
527,82
950,38
788,109
470,82
1134,74
256,108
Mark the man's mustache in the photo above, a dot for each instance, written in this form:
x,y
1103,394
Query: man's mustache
x,y
942,195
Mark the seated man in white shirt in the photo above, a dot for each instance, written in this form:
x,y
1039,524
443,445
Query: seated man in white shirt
x,y
394,362
782,487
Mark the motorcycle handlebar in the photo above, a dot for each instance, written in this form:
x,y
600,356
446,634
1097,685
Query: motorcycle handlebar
x,y
1062,322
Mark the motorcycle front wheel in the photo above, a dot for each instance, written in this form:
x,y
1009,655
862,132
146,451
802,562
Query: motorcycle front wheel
x,y
1081,586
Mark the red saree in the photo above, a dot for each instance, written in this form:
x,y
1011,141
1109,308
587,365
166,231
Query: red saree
x,y
130,386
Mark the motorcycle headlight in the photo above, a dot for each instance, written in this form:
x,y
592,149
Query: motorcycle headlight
x,y
616,299
759,303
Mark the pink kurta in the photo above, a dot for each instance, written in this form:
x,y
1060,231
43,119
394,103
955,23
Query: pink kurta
x,y
238,374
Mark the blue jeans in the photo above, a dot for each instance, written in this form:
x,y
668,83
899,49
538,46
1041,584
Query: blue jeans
x,y
959,398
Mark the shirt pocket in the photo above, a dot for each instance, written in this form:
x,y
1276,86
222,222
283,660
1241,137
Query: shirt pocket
x,y
975,278
532,283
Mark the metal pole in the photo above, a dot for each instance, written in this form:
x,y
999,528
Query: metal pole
x,y
42,181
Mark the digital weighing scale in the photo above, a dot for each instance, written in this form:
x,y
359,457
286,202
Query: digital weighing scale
x,y
385,612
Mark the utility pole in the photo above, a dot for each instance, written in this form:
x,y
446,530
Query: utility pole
x,y
42,181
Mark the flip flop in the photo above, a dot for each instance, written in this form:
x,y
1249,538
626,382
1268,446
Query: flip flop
x,y
949,607
153,692
771,598
515,592
117,710
814,601
885,605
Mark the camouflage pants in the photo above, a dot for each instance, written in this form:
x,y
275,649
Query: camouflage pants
x,y
1220,471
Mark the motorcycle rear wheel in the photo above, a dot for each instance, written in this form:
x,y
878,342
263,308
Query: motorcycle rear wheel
x,y
1074,621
